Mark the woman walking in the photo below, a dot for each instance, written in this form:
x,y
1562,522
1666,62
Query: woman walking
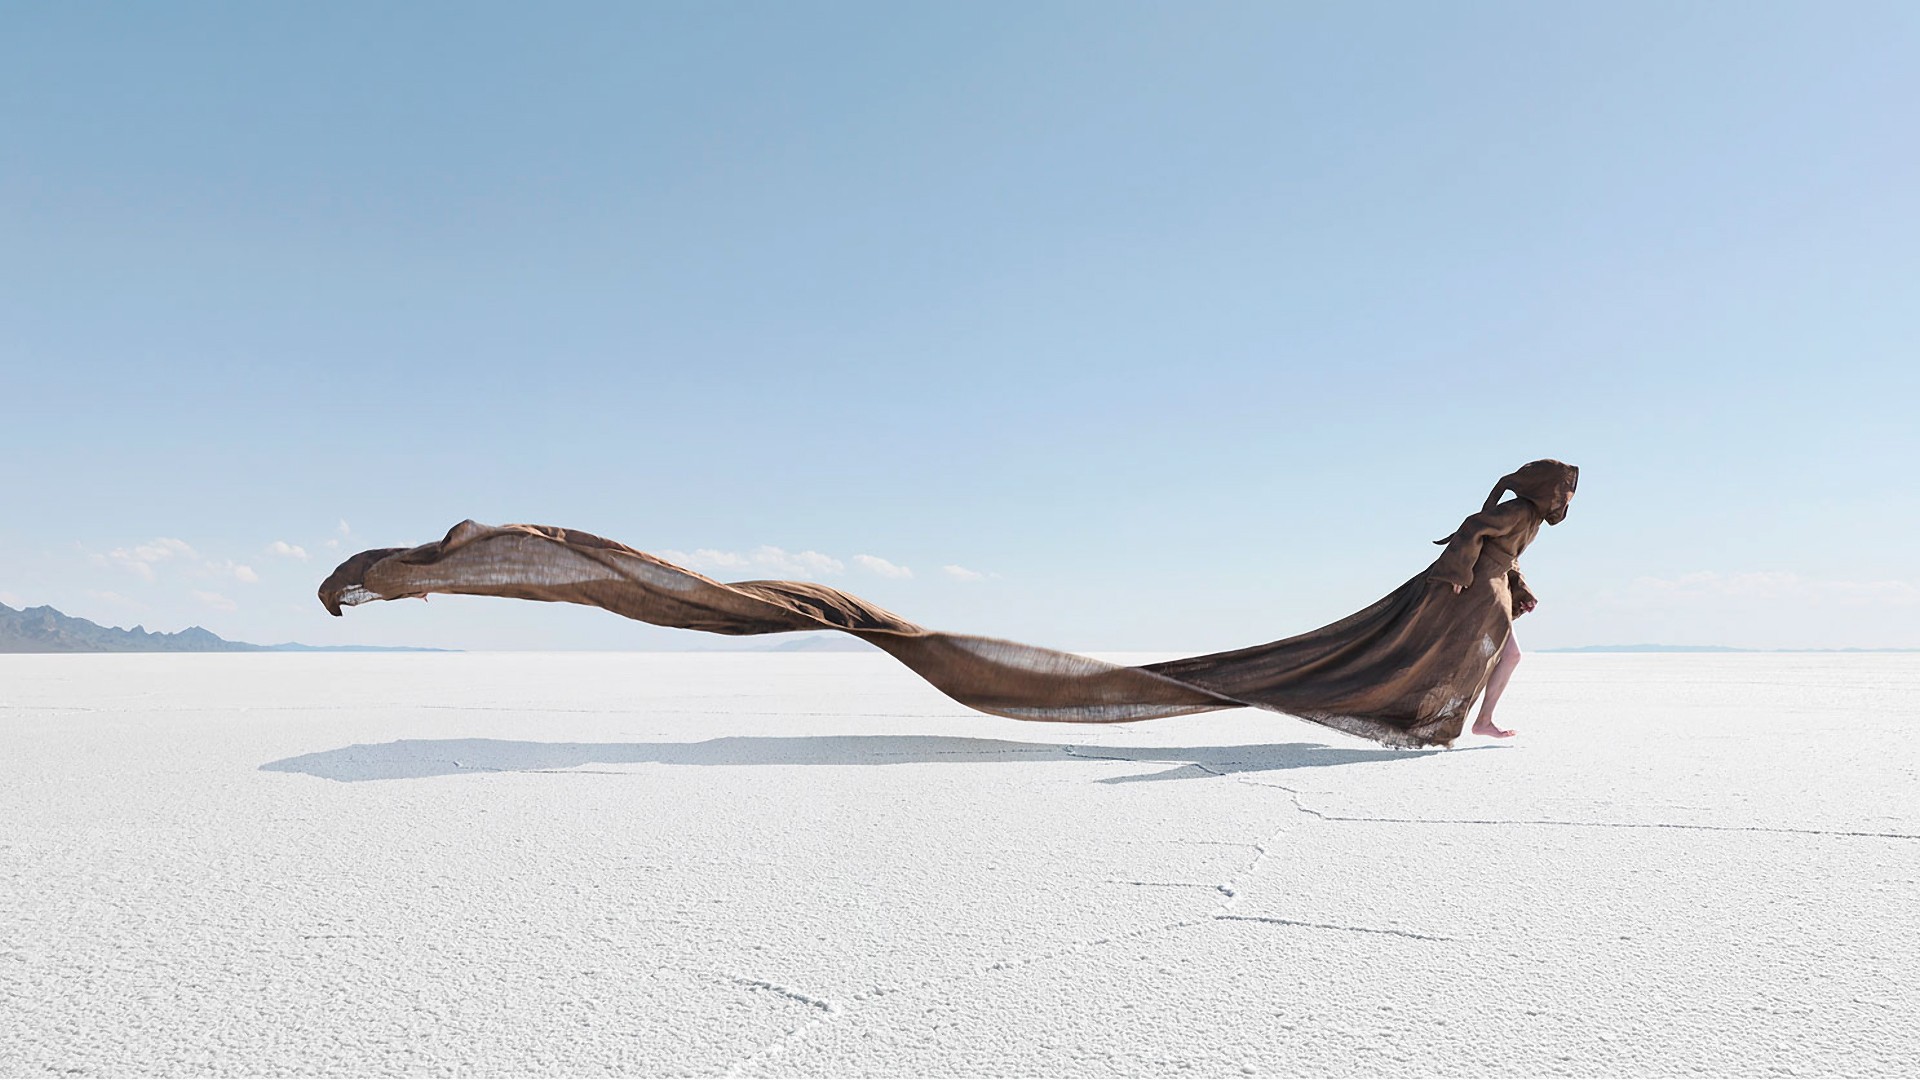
x,y
1408,667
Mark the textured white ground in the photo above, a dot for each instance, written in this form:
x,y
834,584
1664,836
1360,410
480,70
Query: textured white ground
x,y
813,864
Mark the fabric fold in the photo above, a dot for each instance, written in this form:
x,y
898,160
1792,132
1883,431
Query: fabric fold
x,y
540,562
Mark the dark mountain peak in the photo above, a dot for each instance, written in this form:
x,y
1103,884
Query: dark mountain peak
x,y
46,629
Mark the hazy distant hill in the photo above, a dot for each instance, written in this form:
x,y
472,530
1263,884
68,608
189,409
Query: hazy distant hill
x,y
781,643
47,630
1648,648
1705,649
812,643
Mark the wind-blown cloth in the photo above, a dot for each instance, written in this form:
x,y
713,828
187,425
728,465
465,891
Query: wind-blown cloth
x,y
1403,672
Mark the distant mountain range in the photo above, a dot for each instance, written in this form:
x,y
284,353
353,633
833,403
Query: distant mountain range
x,y
782,643
1705,649
47,630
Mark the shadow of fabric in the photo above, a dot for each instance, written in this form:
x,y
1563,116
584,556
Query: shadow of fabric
x,y
415,759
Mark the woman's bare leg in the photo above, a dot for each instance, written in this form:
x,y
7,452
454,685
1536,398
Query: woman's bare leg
x,y
1496,683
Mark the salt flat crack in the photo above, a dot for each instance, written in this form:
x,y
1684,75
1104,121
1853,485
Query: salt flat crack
x,y
1208,885
1176,841
1075,752
823,1009
1636,825
1786,830
1639,825
825,1005
828,1011
1332,926
1231,887
1054,954
1229,891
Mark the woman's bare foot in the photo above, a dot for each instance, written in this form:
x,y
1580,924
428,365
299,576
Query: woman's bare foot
x,y
1484,726
1497,685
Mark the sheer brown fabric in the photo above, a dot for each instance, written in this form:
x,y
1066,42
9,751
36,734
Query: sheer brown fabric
x,y
1404,671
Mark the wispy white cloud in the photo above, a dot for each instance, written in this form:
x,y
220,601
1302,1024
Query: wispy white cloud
x,y
705,559
228,568
142,558
286,550
216,601
770,561
114,599
1775,586
806,562
10,600
880,566
765,559
148,559
961,573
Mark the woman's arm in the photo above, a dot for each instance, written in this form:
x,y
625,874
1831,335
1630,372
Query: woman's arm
x,y
1523,598
1455,565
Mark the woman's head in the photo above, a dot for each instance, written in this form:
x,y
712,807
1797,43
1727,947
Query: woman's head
x,y
1547,484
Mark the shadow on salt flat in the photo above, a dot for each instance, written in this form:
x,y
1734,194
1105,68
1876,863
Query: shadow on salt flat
x,y
413,759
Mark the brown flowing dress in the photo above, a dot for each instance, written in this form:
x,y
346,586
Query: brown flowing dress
x,y
1403,672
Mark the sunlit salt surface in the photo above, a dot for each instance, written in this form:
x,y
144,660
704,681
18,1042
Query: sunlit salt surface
x,y
587,864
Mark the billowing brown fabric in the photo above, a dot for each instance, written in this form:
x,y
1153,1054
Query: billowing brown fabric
x,y
1404,671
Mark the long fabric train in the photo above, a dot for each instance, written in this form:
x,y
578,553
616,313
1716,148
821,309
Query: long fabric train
x,y
1403,672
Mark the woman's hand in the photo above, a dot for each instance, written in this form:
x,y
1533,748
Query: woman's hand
x,y
1457,588
1526,604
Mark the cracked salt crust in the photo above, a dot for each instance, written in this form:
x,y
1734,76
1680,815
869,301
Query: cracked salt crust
x,y
747,865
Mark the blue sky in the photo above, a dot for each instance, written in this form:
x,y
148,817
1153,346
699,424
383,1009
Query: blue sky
x,y
1170,326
